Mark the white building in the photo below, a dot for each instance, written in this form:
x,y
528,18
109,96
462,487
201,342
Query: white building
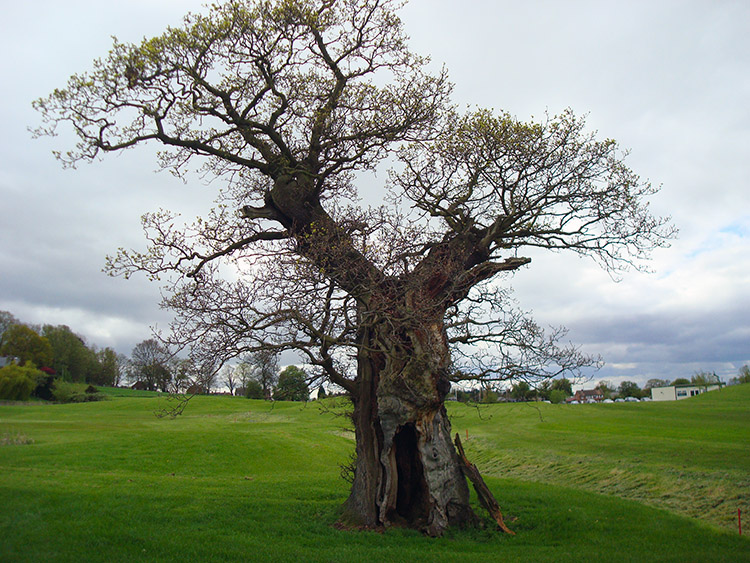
x,y
677,392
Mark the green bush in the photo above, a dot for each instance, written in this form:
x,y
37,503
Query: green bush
x,y
67,392
557,396
489,397
62,391
44,384
253,390
17,382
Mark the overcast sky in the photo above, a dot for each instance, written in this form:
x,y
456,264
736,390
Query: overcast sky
x,y
669,80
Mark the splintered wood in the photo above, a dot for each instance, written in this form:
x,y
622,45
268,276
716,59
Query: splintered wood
x,y
486,498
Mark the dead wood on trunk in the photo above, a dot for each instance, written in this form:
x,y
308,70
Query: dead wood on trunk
x,y
486,498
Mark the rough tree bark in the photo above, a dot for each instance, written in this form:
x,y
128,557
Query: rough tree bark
x,y
407,471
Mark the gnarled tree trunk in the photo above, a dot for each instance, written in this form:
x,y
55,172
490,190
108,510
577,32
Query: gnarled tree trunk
x,y
407,471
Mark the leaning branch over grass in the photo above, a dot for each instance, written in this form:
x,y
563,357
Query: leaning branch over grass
x,y
176,405
486,498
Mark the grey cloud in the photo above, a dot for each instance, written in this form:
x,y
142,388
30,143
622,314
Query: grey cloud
x,y
668,80
698,339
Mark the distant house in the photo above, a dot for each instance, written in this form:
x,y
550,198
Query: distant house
x,y
587,396
677,392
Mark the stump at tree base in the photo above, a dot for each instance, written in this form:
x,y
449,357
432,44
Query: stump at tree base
x,y
486,498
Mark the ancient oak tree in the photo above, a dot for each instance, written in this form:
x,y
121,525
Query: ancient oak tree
x,y
286,104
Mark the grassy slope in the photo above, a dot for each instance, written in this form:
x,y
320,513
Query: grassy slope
x,y
240,480
690,456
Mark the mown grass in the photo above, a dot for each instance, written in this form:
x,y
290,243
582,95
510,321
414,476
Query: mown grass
x,y
240,480
691,456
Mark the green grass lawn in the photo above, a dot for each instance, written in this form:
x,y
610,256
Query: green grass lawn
x,y
690,456
240,480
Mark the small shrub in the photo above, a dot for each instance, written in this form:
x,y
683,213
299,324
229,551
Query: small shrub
x,y
63,391
557,396
44,384
17,382
253,390
66,392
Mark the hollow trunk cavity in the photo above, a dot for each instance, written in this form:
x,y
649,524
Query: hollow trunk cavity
x,y
406,472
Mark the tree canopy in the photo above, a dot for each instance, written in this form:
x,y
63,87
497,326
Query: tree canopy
x,y
264,369
20,341
284,102
629,389
6,321
73,360
150,365
704,378
292,385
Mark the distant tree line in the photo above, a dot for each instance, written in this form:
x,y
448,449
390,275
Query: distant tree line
x,y
40,360
257,376
553,390
558,390
631,388
152,367
33,356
